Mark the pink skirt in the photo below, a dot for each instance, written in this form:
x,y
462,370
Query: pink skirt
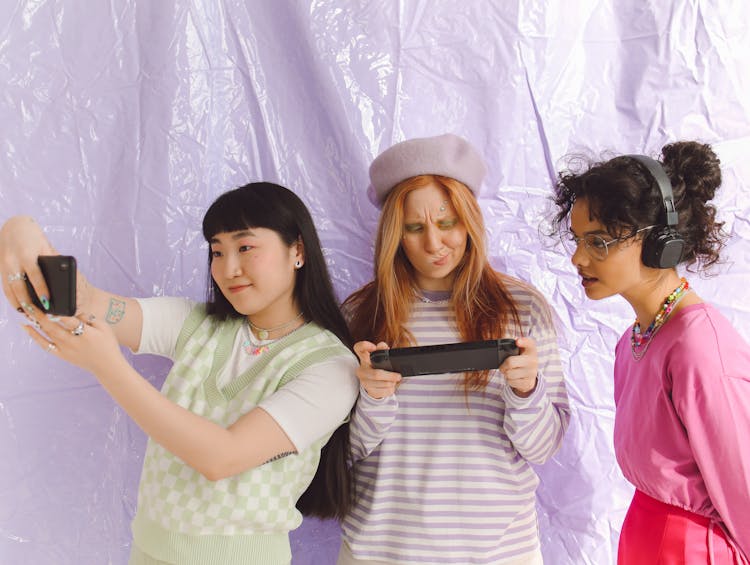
x,y
656,533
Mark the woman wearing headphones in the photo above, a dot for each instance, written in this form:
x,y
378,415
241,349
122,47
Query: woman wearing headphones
x,y
682,383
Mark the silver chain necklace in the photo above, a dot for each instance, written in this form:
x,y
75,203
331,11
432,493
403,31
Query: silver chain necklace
x,y
263,332
423,298
251,348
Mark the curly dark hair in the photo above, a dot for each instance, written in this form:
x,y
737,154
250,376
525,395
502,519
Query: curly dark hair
x,y
624,197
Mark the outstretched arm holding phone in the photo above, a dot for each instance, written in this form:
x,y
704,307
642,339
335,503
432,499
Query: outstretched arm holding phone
x,y
262,377
22,242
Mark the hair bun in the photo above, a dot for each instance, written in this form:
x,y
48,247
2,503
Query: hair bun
x,y
695,165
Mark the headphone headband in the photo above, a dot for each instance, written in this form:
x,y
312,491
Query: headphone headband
x,y
663,247
665,185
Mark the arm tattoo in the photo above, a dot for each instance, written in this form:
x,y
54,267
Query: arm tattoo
x,y
116,311
280,456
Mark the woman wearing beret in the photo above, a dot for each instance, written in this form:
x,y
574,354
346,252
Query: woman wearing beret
x,y
442,462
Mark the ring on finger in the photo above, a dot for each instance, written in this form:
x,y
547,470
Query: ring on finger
x,y
51,347
78,330
13,277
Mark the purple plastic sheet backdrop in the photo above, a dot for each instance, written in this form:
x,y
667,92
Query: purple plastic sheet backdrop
x,y
122,121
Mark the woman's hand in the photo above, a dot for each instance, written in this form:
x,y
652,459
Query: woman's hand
x,y
21,242
81,340
377,382
520,371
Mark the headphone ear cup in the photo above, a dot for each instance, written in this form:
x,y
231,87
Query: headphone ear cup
x,y
662,248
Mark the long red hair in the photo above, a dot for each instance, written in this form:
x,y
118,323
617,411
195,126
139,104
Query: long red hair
x,y
483,305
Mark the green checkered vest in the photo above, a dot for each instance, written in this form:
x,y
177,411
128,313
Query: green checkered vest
x,y
183,517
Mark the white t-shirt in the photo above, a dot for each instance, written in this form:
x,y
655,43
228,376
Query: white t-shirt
x,y
306,408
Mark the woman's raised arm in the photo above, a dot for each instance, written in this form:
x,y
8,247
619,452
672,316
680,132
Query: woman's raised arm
x,y
22,241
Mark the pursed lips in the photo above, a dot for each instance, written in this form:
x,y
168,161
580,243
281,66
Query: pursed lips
x,y
440,261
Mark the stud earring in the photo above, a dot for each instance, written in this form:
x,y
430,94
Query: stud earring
x,y
298,264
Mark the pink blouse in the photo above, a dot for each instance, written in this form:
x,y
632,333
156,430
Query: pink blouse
x,y
682,423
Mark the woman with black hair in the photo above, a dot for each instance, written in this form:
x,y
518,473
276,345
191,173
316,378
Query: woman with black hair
x,y
682,386
262,377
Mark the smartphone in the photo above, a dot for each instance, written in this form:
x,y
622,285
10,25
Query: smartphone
x,y
445,358
60,274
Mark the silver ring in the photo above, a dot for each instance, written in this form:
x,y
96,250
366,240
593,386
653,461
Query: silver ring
x,y
51,347
78,330
16,277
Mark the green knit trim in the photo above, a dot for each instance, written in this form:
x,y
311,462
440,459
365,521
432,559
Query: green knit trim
x,y
194,319
228,329
317,356
215,396
185,549
308,331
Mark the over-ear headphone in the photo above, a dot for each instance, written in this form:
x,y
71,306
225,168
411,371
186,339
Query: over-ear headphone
x,y
663,245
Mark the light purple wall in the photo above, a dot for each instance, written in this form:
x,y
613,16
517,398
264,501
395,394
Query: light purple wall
x,y
121,121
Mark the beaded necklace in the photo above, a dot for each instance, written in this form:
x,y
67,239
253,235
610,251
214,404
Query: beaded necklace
x,y
639,342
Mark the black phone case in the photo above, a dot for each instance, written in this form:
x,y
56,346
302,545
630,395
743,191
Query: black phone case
x,y
445,358
60,274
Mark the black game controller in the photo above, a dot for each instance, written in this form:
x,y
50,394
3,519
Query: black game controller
x,y
445,358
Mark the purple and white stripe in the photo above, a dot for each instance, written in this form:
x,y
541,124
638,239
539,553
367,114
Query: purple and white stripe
x,y
443,476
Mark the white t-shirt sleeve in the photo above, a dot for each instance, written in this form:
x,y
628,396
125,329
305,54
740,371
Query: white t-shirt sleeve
x,y
163,318
316,402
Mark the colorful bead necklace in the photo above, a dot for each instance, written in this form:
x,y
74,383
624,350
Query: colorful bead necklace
x,y
248,346
639,342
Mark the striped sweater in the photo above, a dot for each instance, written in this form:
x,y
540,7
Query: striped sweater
x,y
443,476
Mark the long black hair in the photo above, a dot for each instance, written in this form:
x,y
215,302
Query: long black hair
x,y
271,206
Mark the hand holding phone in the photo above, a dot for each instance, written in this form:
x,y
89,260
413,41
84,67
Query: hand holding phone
x,y
59,273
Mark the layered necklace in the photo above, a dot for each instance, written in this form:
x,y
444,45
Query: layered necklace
x,y
639,342
251,348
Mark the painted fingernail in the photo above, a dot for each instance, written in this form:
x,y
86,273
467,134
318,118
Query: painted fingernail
x,y
53,318
45,302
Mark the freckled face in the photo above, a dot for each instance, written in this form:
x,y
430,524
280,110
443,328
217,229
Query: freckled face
x,y
434,238
619,272
255,271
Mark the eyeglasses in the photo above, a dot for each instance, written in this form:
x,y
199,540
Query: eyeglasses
x,y
595,245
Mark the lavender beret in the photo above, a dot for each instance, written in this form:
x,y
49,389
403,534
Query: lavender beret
x,y
447,155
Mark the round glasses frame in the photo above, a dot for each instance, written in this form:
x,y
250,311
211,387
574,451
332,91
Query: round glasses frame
x,y
595,245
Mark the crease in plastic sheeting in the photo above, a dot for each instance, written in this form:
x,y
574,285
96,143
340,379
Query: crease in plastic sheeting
x,y
540,122
308,95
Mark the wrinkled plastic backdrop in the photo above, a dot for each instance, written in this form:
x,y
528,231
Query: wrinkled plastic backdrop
x,y
122,121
